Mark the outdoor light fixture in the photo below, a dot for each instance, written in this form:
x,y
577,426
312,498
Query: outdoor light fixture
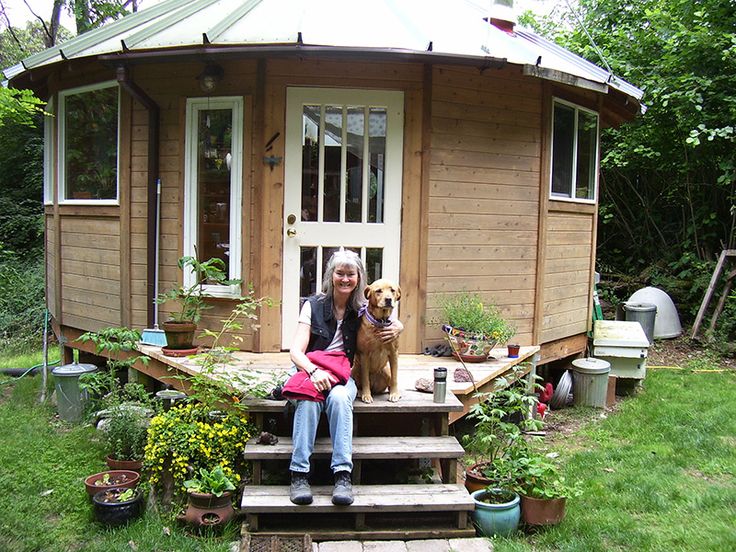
x,y
210,76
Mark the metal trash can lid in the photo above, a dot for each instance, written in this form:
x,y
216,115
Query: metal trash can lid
x,y
591,365
640,307
170,394
73,369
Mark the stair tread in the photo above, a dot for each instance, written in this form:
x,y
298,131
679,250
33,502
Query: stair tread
x,y
443,446
258,499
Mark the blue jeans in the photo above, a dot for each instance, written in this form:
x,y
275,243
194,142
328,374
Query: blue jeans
x,y
339,408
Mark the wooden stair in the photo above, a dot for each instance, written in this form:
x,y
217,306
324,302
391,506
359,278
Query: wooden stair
x,y
387,435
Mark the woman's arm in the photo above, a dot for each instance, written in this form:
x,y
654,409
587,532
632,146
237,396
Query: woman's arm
x,y
392,332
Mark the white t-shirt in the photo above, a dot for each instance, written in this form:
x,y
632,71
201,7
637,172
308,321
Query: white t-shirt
x,y
305,317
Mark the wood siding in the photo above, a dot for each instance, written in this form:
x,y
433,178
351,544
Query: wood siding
x,y
51,265
484,191
567,276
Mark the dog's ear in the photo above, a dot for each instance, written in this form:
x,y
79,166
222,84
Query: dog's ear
x,y
398,293
367,292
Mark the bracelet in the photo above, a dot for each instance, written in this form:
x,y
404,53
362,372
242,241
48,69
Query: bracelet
x,y
311,373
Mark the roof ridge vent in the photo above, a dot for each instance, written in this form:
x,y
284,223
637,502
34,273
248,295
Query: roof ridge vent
x,y
502,15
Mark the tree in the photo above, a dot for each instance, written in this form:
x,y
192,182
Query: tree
x,y
668,182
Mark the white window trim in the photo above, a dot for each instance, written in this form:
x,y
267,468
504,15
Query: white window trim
x,y
194,105
48,153
560,197
61,146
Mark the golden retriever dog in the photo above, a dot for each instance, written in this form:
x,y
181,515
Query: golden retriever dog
x,y
376,362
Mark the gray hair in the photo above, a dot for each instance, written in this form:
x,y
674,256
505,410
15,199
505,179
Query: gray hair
x,y
345,257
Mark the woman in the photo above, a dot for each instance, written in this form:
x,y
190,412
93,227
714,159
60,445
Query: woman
x,y
329,322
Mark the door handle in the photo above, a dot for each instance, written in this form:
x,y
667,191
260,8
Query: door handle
x,y
291,232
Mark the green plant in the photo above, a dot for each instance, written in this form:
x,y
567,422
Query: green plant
x,y
191,299
210,482
468,312
126,432
185,439
501,417
538,477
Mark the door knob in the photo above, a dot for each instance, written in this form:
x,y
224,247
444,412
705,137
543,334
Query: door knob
x,y
291,219
291,232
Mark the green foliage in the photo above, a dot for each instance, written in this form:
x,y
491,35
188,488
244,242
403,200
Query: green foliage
x,y
667,186
22,303
539,477
210,482
191,299
126,432
187,438
19,43
468,312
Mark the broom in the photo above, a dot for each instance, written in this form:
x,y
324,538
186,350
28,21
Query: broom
x,y
155,336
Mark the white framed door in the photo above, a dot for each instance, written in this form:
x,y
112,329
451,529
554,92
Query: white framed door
x,y
343,172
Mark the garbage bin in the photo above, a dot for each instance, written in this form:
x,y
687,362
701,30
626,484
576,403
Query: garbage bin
x,y
644,314
70,398
590,381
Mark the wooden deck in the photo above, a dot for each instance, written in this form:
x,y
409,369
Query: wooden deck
x,y
268,367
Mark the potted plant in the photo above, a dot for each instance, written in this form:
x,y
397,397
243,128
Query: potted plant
x,y
182,323
209,496
543,491
124,410
473,327
497,512
110,479
117,505
501,417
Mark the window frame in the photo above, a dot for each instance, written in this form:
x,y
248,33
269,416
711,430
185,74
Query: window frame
x,y
555,196
193,106
61,145
48,152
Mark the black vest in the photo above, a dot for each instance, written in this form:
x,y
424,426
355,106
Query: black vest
x,y
324,326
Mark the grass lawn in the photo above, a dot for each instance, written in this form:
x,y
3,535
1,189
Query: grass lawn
x,y
659,473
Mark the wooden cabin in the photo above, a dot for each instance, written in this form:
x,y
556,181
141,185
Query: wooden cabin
x,y
453,149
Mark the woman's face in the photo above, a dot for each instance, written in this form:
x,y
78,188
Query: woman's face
x,y
344,280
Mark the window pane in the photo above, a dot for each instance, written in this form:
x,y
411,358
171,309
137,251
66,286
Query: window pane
x,y
333,163
373,263
377,151
91,144
307,272
354,191
310,161
562,149
214,140
587,139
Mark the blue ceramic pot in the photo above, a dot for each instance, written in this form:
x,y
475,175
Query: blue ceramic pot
x,y
496,519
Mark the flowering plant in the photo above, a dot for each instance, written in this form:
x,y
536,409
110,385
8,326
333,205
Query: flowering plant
x,y
467,312
187,438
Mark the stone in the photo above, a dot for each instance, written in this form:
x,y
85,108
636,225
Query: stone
x,y
470,545
341,546
428,545
384,546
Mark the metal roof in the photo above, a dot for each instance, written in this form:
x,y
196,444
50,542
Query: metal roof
x,y
433,28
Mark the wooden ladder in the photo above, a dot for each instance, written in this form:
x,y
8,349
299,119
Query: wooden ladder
x,y
388,436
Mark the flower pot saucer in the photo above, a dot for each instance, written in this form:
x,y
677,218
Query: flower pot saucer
x,y
179,352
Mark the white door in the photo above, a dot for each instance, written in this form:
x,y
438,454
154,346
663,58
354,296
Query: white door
x,y
343,187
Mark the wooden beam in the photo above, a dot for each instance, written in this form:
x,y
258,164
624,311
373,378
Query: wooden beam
x,y
124,163
543,213
711,290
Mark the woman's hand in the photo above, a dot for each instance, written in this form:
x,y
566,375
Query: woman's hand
x,y
390,333
321,380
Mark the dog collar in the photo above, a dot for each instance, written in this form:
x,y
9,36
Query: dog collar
x,y
373,320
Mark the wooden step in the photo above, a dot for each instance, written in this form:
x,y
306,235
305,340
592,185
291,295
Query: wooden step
x,y
259,499
378,512
365,448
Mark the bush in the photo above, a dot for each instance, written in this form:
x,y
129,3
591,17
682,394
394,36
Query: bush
x,y
22,303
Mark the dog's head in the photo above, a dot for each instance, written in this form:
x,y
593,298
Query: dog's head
x,y
382,294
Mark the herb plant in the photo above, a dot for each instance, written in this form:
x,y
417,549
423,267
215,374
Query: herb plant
x,y
210,482
468,312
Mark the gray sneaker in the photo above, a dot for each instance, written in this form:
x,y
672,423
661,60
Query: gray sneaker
x,y
342,494
300,492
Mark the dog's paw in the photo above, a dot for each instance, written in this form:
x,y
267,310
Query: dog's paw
x,y
394,397
366,398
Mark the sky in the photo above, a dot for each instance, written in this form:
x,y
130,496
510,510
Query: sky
x,y
18,13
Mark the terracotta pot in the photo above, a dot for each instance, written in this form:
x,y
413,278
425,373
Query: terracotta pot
x,y
542,511
513,350
206,509
117,478
474,480
179,335
132,465
114,512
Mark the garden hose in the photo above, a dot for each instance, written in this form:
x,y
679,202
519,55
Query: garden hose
x,y
20,372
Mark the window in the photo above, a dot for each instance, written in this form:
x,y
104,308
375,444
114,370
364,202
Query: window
x,y
88,144
48,153
574,152
213,185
